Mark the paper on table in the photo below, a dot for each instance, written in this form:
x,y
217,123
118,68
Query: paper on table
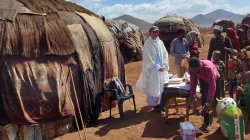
x,y
184,86
175,81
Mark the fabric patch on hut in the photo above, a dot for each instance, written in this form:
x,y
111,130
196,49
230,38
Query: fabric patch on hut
x,y
37,90
59,38
105,38
82,46
70,18
97,60
9,9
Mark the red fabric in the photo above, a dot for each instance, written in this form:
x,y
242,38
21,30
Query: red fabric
x,y
234,38
194,50
194,47
230,64
38,89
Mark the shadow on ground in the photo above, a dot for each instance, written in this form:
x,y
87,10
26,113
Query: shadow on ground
x,y
155,124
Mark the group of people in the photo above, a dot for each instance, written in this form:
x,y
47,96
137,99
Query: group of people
x,y
230,62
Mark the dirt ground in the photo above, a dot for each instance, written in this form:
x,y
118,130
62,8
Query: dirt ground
x,y
145,124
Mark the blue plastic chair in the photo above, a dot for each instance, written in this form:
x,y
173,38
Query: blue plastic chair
x,y
120,97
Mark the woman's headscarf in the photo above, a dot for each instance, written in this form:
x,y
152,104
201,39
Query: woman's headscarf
x,y
191,37
246,26
240,32
234,38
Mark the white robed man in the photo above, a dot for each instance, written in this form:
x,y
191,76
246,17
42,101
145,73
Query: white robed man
x,y
155,67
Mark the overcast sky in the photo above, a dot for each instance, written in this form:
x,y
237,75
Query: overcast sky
x,y
151,10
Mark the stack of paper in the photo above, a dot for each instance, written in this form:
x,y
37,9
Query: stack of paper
x,y
175,81
184,86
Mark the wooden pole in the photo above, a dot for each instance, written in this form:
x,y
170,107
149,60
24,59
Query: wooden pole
x,y
83,125
72,104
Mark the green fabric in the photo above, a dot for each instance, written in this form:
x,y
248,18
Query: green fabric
x,y
247,89
247,102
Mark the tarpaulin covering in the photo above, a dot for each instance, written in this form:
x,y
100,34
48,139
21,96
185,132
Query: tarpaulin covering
x,y
97,62
9,9
109,58
35,91
94,79
109,55
81,43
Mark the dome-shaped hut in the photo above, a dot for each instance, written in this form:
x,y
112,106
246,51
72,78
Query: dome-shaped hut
x,y
246,20
130,38
170,24
225,23
51,49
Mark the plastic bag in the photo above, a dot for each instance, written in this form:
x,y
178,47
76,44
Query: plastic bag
x,y
231,119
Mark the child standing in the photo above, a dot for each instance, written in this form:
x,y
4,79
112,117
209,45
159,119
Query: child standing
x,y
233,67
247,94
221,69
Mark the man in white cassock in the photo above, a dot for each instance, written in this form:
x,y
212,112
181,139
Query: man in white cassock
x,y
155,67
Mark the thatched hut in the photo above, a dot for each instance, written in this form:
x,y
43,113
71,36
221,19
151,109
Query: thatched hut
x,y
225,23
130,37
246,20
170,24
41,42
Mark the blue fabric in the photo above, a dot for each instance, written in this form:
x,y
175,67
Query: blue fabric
x,y
232,84
178,49
127,96
152,101
159,59
115,83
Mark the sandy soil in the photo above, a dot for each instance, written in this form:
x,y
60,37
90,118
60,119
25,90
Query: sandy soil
x,y
145,124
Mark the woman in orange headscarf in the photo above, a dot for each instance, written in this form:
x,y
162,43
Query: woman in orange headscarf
x,y
234,38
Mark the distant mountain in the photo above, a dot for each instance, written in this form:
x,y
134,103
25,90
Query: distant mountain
x,y
203,21
142,24
208,19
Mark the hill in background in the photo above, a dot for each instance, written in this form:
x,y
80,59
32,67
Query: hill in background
x,y
142,24
208,19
